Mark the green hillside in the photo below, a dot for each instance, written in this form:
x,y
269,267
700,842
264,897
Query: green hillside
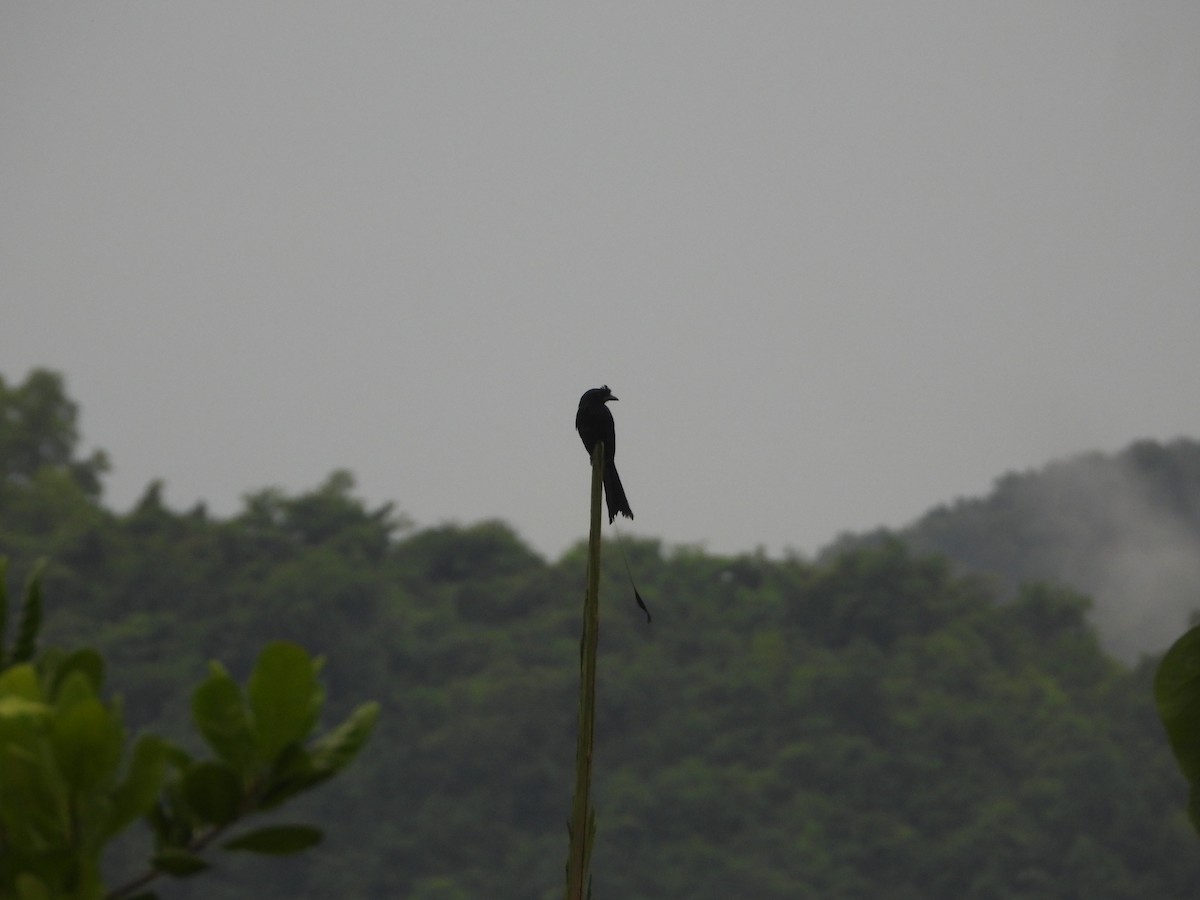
x,y
870,725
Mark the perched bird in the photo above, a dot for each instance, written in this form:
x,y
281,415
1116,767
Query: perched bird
x,y
595,423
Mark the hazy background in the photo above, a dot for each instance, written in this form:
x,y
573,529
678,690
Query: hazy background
x,y
839,261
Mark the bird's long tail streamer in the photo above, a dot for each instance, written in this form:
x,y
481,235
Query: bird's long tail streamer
x,y
628,571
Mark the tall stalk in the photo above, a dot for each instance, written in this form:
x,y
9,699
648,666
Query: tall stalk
x,y
582,827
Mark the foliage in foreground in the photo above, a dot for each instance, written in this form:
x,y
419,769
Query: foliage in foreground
x,y
1177,693
70,783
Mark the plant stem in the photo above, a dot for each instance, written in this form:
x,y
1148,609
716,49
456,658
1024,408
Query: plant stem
x,y
583,817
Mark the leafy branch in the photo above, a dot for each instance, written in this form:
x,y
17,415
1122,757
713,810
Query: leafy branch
x,y
69,784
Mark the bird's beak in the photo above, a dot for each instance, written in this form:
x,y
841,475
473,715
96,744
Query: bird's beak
x,y
611,397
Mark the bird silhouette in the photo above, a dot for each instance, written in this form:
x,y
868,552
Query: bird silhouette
x,y
594,423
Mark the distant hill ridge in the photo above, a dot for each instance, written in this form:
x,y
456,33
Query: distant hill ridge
x,y
1123,528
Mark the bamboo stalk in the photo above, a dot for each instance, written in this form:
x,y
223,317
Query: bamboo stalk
x,y
582,827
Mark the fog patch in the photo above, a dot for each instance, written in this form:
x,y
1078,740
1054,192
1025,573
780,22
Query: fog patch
x,y
1124,529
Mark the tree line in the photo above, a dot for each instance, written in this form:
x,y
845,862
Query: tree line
x,y
873,723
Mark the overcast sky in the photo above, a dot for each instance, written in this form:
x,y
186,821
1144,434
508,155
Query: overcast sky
x,y
840,261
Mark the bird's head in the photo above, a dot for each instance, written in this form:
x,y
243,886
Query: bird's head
x,y
596,397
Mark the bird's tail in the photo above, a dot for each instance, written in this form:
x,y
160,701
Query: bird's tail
x,y
614,493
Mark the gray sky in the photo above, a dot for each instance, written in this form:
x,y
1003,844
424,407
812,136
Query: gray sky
x,y
840,261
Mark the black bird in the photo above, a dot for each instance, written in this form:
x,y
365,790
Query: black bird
x,y
595,423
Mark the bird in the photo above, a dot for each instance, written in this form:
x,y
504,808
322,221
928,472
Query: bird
x,y
594,423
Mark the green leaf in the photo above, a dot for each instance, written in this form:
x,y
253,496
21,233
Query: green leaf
x,y
30,887
21,682
75,688
221,716
135,795
176,755
291,774
1177,694
297,770
213,791
172,819
21,712
277,840
31,616
285,697
85,661
332,751
33,798
87,742
177,862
